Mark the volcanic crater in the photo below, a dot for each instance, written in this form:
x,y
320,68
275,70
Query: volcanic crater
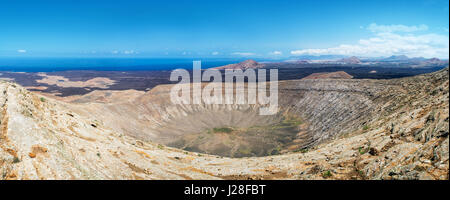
x,y
309,112
341,128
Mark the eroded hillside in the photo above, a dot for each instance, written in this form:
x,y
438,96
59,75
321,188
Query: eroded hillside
x,y
345,129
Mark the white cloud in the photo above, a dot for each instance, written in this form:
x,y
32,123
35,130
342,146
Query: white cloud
x,y
276,53
125,52
129,52
396,28
215,53
388,43
243,53
21,51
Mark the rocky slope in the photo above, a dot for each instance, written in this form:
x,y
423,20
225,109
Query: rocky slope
x,y
350,129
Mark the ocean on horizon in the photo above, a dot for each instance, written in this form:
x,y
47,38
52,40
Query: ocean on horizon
x,y
105,64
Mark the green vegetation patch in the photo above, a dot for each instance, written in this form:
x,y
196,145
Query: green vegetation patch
x,y
16,160
327,174
245,151
288,122
362,150
222,130
302,150
366,127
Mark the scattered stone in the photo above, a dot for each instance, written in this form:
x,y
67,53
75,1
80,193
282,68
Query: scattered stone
x,y
373,151
32,155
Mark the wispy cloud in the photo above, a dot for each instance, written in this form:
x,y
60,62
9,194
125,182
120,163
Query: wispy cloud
x,y
385,43
125,52
396,28
129,52
276,53
243,53
443,29
215,53
21,51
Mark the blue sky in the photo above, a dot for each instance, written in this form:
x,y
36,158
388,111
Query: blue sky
x,y
266,29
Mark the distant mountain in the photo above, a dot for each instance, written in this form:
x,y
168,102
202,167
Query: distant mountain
x,y
418,59
350,60
396,58
434,61
320,57
248,64
336,59
298,61
406,59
